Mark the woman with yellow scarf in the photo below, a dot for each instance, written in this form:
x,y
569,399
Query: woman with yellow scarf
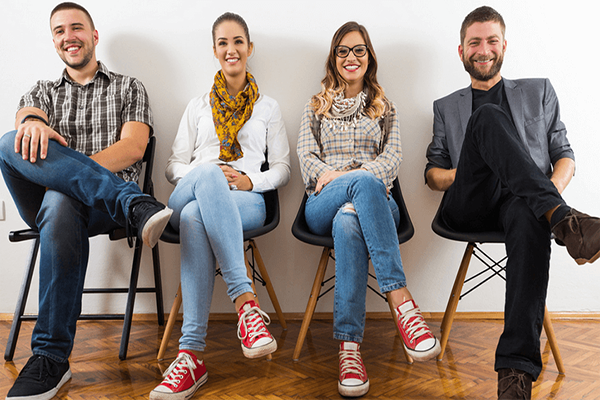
x,y
215,164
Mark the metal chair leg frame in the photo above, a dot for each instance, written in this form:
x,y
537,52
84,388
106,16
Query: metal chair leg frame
x,y
453,304
268,284
177,302
22,300
135,272
160,309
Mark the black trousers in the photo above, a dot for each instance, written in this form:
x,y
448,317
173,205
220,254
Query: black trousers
x,y
498,186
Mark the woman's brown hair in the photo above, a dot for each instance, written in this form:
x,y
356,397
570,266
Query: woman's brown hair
x,y
333,84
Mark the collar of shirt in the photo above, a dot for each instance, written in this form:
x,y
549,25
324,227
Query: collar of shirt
x,y
102,71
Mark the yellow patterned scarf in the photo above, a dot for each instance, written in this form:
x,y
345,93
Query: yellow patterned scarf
x,y
231,113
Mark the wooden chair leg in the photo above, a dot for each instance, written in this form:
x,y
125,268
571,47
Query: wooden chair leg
x,y
312,302
268,284
553,343
170,323
395,317
454,298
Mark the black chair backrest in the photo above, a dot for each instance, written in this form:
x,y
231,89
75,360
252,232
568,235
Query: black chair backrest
x,y
301,231
147,184
272,209
148,160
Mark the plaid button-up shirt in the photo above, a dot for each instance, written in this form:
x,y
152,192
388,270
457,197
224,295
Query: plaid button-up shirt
x,y
90,117
373,145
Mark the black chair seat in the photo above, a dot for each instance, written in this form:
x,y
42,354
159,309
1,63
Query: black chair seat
x,y
440,227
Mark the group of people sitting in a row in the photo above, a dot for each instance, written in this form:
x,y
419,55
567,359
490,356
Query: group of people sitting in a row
x,y
499,150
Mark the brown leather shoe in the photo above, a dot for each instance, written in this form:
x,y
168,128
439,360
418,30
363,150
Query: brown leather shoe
x,y
514,384
581,234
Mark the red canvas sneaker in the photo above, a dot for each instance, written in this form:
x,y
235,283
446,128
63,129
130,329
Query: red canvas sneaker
x,y
353,381
252,331
183,377
418,339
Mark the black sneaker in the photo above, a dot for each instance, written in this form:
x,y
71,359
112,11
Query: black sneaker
x,y
147,218
40,379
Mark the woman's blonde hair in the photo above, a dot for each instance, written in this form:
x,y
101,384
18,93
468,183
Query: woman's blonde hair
x,y
333,84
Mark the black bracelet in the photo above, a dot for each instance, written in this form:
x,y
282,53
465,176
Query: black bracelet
x,y
34,116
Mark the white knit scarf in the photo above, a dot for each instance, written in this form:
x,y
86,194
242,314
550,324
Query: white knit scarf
x,y
345,113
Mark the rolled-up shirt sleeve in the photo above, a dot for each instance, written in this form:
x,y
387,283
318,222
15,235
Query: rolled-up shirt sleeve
x,y
558,144
38,97
438,155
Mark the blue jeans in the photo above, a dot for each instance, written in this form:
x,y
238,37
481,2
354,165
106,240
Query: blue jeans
x,y
68,198
211,220
367,228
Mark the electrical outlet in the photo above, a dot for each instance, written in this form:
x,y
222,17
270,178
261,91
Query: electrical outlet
x,y
2,210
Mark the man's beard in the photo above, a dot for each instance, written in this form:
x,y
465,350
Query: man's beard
x,y
85,61
477,74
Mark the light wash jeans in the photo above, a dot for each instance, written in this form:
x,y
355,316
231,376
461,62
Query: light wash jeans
x,y
211,220
68,198
369,229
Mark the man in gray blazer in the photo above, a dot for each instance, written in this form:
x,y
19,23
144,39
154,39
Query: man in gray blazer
x,y
500,152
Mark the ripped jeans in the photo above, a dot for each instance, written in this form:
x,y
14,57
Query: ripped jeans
x,y
365,227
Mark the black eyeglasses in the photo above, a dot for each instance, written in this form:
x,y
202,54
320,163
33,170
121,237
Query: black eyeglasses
x,y
343,51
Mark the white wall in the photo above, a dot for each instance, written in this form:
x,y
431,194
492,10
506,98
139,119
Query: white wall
x,y
168,46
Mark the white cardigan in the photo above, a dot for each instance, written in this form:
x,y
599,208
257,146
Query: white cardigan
x,y
197,143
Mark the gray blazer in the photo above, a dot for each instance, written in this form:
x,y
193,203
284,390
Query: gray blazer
x,y
535,112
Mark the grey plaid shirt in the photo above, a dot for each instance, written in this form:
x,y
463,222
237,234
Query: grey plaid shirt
x,y
90,117
373,145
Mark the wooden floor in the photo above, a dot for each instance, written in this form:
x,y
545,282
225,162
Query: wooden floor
x,y
465,373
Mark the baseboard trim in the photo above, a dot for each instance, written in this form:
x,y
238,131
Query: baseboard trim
x,y
435,316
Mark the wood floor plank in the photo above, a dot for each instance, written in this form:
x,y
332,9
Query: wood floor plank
x,y
466,372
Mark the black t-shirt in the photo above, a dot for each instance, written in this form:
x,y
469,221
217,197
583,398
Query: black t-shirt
x,y
496,95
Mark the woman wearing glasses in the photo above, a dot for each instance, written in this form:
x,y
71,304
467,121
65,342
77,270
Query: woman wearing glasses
x,y
349,152
215,164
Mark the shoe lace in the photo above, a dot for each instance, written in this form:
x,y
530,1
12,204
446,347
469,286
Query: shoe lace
x,y
413,324
351,363
131,224
253,321
39,368
178,368
513,380
574,224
